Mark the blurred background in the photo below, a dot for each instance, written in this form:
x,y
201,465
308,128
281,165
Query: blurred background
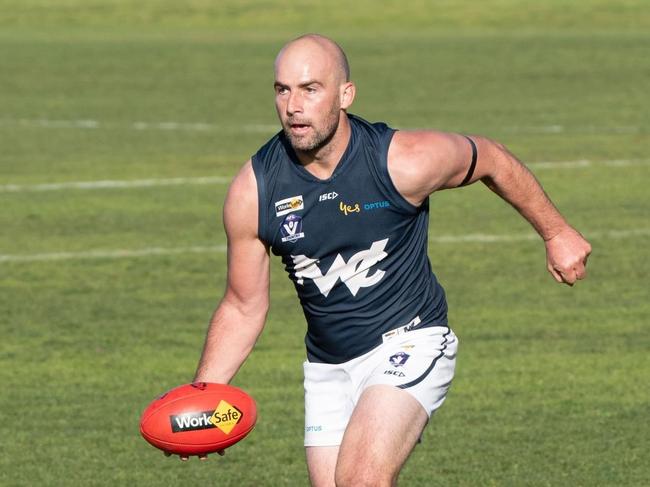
x,y
121,124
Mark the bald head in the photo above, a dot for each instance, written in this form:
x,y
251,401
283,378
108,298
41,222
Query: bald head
x,y
312,93
311,48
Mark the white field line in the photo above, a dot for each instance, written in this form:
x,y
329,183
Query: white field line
x,y
107,184
155,251
144,183
169,126
111,254
584,163
271,128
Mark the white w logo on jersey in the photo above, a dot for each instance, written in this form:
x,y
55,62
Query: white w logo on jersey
x,y
354,273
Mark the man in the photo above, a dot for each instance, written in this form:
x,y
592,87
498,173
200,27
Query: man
x,y
345,204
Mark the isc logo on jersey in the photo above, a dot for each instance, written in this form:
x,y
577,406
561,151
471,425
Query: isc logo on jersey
x,y
288,205
353,273
224,417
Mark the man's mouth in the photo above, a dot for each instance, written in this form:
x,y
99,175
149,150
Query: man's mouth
x,y
299,128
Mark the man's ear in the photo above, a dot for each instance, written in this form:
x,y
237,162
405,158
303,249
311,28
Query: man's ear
x,y
348,90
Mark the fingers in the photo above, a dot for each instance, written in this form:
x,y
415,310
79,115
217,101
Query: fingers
x,y
567,255
555,275
568,277
185,458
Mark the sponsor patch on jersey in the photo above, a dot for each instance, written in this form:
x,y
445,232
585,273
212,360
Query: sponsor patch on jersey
x,y
291,228
347,209
376,205
288,205
398,359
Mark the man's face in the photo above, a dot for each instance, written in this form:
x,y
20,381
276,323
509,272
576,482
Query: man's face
x,y
307,97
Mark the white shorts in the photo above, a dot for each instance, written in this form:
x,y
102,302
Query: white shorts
x,y
421,362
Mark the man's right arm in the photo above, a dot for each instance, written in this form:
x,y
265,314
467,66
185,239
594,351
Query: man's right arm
x,y
239,319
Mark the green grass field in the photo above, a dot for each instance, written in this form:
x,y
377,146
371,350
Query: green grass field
x,y
552,381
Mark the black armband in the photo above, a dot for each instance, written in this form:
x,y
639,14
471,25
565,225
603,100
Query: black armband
x,y
472,166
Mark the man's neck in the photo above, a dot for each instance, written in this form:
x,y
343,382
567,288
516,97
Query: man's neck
x,y
323,161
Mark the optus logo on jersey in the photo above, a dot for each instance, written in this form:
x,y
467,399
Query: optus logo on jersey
x,y
376,205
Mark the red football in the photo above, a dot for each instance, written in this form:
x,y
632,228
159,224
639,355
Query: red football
x,y
198,418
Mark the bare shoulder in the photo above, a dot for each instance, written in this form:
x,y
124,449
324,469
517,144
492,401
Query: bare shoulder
x,y
240,208
422,161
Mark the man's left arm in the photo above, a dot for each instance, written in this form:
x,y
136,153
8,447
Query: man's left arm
x,y
421,162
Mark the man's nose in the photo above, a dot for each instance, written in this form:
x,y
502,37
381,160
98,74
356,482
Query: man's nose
x,y
294,103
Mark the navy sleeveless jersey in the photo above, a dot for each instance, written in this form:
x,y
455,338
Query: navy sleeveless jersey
x,y
354,248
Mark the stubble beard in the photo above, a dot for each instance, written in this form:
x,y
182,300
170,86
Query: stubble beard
x,y
318,138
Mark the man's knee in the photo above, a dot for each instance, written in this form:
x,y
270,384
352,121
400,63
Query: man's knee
x,y
362,473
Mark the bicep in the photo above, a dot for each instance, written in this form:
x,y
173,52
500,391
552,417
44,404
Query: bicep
x,y
422,162
248,256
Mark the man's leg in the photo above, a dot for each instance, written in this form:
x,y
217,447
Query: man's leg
x,y
321,462
383,430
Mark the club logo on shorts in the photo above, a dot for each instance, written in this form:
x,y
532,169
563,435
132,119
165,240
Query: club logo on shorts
x,y
399,359
224,417
288,205
291,228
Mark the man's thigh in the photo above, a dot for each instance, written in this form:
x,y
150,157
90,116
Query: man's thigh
x,y
383,430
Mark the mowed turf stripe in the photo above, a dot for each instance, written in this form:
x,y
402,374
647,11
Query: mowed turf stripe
x,y
169,125
271,128
110,184
154,251
144,183
112,254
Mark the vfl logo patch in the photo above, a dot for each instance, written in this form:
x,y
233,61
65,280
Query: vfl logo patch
x,y
399,359
353,273
224,417
288,205
291,228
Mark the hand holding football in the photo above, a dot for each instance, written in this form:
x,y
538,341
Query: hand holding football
x,y
198,418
